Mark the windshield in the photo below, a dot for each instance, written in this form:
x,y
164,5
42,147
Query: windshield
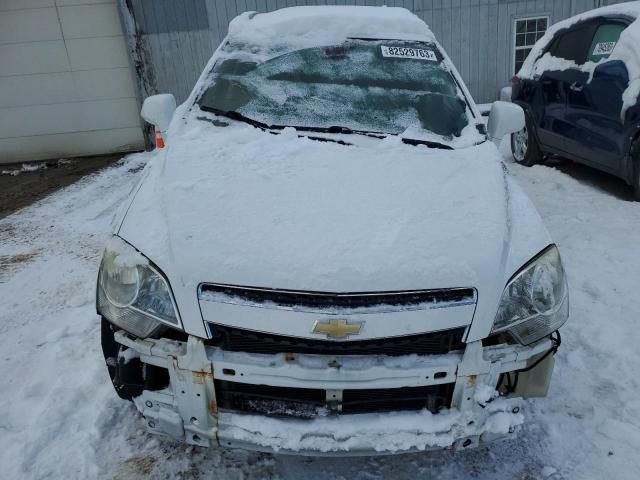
x,y
389,87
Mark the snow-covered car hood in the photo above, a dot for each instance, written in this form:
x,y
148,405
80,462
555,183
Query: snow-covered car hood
x,y
237,205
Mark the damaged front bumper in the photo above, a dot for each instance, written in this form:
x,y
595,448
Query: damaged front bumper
x,y
187,406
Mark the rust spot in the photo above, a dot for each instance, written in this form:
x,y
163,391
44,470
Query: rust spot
x,y
213,408
200,377
471,380
289,357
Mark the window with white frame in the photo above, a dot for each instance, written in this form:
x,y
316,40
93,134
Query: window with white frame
x,y
528,31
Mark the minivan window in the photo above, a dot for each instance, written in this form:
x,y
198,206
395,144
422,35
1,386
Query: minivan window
x,y
387,87
573,45
605,40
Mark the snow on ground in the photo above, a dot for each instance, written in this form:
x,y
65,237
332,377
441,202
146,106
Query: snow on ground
x,y
61,419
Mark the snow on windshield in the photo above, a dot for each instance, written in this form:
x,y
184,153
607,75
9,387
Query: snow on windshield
x,y
377,86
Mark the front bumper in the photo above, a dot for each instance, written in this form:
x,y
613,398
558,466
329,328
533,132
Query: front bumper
x,y
187,409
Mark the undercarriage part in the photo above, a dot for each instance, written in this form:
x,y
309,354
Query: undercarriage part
x,y
308,403
534,380
237,399
130,377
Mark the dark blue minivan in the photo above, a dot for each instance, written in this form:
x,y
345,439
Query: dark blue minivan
x,y
576,112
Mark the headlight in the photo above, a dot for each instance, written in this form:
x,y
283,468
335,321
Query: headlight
x,y
535,302
132,293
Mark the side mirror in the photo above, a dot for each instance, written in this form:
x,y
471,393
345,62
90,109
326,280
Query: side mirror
x,y
505,118
158,110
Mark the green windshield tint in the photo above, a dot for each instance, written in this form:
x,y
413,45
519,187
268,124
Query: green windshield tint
x,y
375,86
605,40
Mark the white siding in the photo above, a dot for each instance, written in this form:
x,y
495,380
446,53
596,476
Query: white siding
x,y
66,88
23,4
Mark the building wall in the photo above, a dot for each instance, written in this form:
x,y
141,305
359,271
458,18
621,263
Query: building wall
x,y
66,86
175,38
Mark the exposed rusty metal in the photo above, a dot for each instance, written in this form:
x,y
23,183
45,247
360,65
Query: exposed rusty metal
x,y
199,377
213,408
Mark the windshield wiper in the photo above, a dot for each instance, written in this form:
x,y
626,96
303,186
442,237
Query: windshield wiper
x,y
338,129
264,126
233,115
428,143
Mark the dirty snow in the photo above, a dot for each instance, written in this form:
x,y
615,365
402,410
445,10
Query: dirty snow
x,y
626,50
61,418
26,167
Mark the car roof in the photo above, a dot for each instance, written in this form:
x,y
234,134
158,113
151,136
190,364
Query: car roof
x,y
630,10
322,25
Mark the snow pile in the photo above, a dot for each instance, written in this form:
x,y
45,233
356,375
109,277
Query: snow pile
x,y
484,394
305,27
626,50
391,432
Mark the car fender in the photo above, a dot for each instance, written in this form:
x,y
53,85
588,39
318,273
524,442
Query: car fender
x,y
529,116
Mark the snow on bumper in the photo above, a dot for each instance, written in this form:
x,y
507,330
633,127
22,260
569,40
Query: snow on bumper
x,y
368,433
188,409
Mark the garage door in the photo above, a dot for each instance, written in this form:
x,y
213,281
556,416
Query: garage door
x,y
65,84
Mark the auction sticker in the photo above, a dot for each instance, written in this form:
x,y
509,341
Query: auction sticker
x,y
604,48
405,52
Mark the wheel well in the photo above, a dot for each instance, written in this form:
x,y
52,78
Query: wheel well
x,y
130,377
529,117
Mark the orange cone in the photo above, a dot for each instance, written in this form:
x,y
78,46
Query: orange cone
x,y
159,139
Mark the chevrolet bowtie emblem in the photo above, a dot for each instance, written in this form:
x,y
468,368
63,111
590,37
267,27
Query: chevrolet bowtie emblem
x,y
337,328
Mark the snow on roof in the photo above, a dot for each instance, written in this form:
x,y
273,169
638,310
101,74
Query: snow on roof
x,y
324,25
626,49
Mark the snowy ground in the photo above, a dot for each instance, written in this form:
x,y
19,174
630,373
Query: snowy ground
x,y
61,419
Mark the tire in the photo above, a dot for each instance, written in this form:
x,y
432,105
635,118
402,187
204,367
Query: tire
x,y
525,148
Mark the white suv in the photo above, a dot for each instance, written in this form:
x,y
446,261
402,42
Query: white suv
x,y
329,255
